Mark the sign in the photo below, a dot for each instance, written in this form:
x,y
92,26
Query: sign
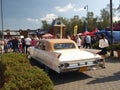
x,y
61,32
75,30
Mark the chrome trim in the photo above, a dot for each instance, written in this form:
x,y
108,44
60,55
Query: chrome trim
x,y
81,64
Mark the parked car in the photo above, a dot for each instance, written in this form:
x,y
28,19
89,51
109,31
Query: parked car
x,y
63,55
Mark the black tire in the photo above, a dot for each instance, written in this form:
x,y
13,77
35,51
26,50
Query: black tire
x,y
46,68
29,56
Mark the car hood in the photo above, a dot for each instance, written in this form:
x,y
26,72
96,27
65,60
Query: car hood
x,y
76,54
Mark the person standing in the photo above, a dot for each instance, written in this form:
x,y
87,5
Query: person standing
x,y
88,41
6,45
27,42
23,45
2,46
20,44
10,44
15,43
79,42
103,44
84,42
33,42
36,38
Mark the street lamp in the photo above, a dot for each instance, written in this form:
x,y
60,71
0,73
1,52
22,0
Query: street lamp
x,y
2,20
111,27
86,7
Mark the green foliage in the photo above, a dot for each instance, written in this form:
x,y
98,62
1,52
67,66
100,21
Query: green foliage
x,y
95,45
45,25
116,46
109,48
20,75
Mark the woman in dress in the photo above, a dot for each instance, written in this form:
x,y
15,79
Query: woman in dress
x,y
103,44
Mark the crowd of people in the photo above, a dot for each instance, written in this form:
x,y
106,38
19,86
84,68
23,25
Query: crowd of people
x,y
18,44
85,41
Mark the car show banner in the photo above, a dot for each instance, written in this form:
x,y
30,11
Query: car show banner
x,y
75,30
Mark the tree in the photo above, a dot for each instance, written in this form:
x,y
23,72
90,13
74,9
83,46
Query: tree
x,y
76,21
45,25
105,17
99,23
118,10
92,23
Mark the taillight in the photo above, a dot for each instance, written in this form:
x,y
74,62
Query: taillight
x,y
64,65
61,65
98,61
101,60
97,52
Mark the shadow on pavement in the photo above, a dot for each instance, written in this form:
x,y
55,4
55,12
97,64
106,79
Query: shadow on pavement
x,y
112,59
67,77
115,77
63,77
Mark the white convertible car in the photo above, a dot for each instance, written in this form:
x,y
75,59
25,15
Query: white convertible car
x,y
63,55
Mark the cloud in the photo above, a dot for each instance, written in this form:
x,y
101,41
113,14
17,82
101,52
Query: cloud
x,y
64,9
32,20
49,17
79,9
116,19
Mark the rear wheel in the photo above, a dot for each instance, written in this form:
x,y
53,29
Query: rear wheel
x,y
46,69
28,55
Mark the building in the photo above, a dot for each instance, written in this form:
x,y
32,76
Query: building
x,y
57,29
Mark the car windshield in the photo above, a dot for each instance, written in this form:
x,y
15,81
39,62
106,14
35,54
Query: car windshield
x,y
64,46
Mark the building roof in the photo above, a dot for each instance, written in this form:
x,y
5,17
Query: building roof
x,y
57,23
14,33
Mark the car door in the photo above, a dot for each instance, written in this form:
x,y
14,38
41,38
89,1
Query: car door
x,y
41,52
46,57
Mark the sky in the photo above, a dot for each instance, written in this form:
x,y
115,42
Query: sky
x,y
27,14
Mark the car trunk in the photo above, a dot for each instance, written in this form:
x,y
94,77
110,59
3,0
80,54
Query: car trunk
x,y
74,54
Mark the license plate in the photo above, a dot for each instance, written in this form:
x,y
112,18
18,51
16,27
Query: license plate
x,y
82,69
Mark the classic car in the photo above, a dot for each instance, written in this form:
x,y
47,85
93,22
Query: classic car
x,y
63,55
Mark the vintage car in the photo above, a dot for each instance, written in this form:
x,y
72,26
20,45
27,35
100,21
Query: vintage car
x,y
63,55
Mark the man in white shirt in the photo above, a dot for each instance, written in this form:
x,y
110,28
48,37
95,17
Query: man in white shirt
x,y
27,42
